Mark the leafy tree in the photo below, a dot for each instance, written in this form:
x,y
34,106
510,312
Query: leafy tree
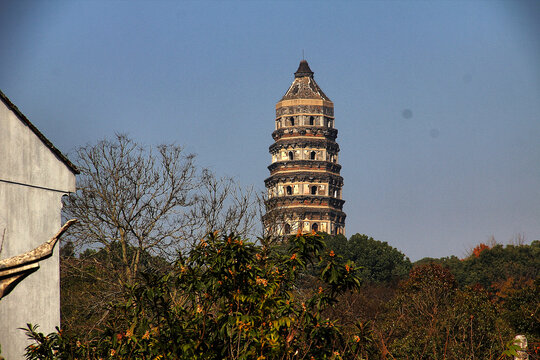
x,y
431,318
492,265
510,276
520,301
380,262
228,298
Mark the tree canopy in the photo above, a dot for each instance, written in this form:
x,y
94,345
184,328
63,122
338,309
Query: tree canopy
x,y
379,262
489,265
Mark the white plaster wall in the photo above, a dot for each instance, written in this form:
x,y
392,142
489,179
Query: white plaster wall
x,y
24,158
32,183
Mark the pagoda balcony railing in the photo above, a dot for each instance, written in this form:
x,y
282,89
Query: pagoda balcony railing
x,y
304,200
313,178
312,130
304,165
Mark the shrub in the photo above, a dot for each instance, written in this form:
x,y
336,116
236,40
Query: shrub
x,y
228,298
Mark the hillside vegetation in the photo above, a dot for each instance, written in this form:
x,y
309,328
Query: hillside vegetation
x,y
314,296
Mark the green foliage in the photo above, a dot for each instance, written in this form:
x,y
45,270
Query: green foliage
x,y
227,298
494,264
520,301
89,286
380,262
232,299
511,276
431,318
500,263
52,346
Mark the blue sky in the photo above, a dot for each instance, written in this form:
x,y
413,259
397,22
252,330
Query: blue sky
x,y
437,103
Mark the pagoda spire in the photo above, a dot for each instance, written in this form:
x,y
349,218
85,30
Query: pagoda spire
x,y
303,70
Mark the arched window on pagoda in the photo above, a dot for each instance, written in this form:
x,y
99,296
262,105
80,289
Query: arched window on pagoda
x,y
287,229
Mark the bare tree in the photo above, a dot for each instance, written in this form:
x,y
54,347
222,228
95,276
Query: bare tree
x,y
132,198
137,207
224,206
133,201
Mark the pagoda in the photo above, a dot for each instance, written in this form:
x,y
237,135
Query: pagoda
x,y
304,187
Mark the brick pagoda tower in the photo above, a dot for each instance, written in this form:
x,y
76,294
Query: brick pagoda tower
x,y
304,187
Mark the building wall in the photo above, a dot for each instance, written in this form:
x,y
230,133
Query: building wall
x,y
32,182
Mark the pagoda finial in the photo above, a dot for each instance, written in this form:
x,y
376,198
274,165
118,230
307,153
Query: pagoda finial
x,y
303,70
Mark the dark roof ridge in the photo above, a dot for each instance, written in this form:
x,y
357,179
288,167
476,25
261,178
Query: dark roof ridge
x,y
38,133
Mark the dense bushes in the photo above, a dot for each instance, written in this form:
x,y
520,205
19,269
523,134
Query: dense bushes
x,y
230,298
430,318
